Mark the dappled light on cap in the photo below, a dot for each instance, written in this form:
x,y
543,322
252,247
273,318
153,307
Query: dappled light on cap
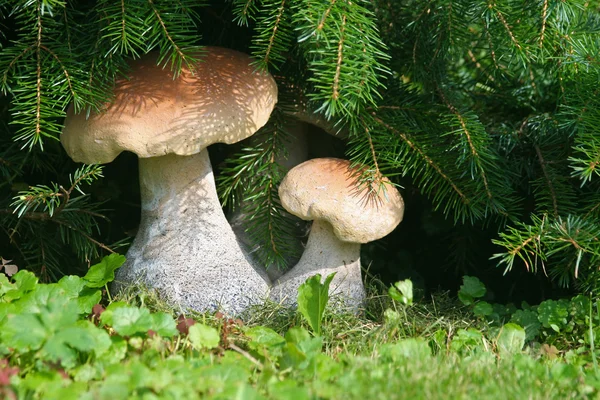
x,y
328,189
223,100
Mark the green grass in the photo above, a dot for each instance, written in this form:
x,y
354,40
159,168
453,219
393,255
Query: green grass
x,y
52,348
380,354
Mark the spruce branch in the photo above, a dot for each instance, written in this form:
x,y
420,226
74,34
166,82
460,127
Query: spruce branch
x,y
123,26
274,34
53,199
544,16
424,156
547,179
344,53
472,149
172,28
46,222
38,46
524,242
570,246
268,50
365,163
266,223
79,231
584,111
178,51
244,11
492,5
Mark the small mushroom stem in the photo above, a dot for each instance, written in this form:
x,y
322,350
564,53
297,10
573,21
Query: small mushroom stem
x,y
185,247
325,254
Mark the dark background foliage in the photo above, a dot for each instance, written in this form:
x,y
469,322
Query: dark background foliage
x,y
485,113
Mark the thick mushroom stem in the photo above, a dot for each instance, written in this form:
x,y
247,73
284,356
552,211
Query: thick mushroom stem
x,y
185,248
325,254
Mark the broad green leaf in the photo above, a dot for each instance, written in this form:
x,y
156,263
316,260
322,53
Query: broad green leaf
x,y
79,338
263,336
133,373
85,372
288,390
113,389
410,349
72,285
553,314
392,317
39,299
59,312
312,299
297,335
528,319
327,368
483,309
118,351
107,315
23,332
579,308
101,338
5,285
226,374
203,336
222,381
61,347
311,346
564,371
247,392
128,321
402,291
467,340
439,339
5,309
75,287
24,282
472,288
301,348
100,274
511,339
293,357
42,382
87,299
74,391
164,324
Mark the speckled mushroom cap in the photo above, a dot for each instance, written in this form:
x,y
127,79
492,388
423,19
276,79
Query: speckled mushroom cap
x,y
224,100
327,189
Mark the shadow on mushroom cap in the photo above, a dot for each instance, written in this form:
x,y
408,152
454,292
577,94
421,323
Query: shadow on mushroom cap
x,y
327,189
224,100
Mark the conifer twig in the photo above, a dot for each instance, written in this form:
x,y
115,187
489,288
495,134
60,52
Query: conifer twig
x,y
427,159
544,16
542,162
274,32
472,148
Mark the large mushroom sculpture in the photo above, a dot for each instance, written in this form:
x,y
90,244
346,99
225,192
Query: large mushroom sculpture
x,y
344,214
185,248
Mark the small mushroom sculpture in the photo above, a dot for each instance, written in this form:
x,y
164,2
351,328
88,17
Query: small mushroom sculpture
x,y
185,248
344,214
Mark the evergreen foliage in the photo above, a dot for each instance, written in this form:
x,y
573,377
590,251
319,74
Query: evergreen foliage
x,y
489,109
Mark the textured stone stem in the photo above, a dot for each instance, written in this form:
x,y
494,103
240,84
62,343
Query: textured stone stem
x,y
185,247
325,254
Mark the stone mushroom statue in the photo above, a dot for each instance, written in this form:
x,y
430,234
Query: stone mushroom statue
x,y
344,215
185,248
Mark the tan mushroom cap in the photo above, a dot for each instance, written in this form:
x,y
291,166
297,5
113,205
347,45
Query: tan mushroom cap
x,y
224,100
327,189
